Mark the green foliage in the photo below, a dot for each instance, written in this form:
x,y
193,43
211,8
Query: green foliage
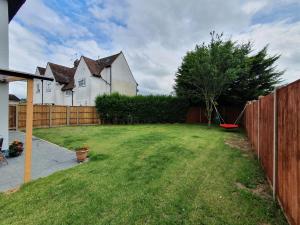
x,y
120,109
208,70
260,77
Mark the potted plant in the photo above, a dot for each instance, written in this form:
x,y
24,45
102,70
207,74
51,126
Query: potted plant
x,y
15,149
82,153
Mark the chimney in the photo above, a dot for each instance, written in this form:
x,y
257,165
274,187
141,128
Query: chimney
x,y
76,63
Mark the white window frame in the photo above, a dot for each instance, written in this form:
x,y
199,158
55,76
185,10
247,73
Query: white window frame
x,y
82,82
38,89
48,86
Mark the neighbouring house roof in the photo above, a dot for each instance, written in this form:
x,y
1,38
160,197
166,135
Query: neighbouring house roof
x,y
13,98
41,70
96,66
63,75
13,7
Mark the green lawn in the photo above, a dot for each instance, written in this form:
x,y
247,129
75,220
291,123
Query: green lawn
x,y
145,174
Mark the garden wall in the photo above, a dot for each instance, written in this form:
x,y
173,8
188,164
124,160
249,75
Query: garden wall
x,y
273,127
52,116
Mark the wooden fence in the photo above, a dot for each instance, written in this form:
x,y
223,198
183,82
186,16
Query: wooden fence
x,y
52,116
198,114
273,127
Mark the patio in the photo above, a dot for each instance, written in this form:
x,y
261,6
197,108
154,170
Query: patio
x,y
47,158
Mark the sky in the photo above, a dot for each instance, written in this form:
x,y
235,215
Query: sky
x,y
154,35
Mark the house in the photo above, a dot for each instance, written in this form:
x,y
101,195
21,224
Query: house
x,y
82,83
13,100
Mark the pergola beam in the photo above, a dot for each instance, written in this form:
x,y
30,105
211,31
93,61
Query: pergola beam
x,y
29,125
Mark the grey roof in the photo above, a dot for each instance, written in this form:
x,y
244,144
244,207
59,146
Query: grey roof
x,y
13,7
13,98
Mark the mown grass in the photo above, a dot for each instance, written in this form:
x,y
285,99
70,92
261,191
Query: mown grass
x,y
145,174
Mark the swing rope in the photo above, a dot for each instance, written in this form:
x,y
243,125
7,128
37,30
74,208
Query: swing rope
x,y
218,114
221,118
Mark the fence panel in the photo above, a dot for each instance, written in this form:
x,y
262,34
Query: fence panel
x,y
289,150
88,115
12,117
59,115
266,134
198,114
53,115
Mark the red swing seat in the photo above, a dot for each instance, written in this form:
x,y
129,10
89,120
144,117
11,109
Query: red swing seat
x,y
229,126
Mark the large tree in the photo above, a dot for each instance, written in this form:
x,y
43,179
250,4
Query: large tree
x,y
209,69
259,78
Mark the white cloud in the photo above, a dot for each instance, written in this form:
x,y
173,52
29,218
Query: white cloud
x,y
284,39
154,35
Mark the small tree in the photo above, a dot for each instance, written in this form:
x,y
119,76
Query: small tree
x,y
209,69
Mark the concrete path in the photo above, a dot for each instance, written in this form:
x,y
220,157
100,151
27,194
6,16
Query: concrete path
x,y
47,158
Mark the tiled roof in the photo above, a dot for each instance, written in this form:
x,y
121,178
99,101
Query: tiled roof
x,y
41,70
13,98
65,75
62,74
96,66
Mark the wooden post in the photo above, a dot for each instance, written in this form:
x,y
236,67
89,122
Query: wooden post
x,y
28,137
50,116
17,117
275,146
68,115
258,124
78,115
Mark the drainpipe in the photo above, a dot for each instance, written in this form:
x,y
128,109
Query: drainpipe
x,y
42,92
110,81
4,63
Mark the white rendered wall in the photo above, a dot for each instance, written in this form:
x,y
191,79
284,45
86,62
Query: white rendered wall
x,y
4,63
94,86
49,96
123,81
37,97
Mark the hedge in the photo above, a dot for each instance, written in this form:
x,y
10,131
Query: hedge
x,y
120,109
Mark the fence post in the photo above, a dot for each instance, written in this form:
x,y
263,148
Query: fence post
x,y
78,115
17,117
68,115
50,116
275,145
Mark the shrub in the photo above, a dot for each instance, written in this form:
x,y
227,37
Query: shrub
x,y
15,148
120,109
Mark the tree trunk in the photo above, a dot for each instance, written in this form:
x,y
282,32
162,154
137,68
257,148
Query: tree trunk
x,y
209,109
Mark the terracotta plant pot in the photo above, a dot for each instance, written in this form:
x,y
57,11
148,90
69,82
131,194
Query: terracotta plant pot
x,y
81,154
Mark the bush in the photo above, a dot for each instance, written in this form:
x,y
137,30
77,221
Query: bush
x,y
120,109
15,148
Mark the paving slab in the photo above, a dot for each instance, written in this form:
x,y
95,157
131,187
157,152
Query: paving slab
x,y
47,158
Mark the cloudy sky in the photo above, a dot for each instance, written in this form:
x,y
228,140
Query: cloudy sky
x,y
154,35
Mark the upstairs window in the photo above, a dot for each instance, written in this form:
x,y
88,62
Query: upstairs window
x,y
48,86
81,82
38,90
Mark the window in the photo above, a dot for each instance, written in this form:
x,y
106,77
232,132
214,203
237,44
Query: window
x,y
38,90
48,86
81,82
68,93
